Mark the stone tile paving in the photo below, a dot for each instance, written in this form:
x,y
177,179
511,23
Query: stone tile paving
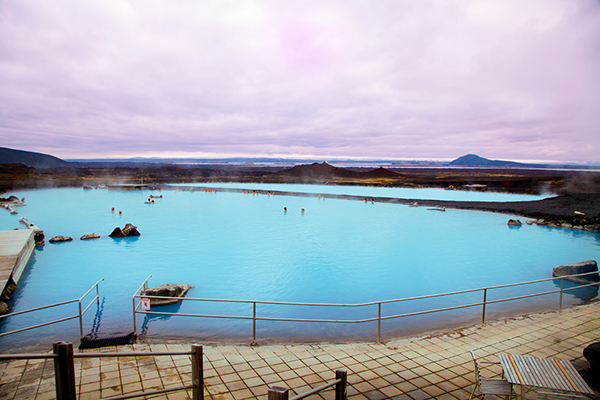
x,y
432,366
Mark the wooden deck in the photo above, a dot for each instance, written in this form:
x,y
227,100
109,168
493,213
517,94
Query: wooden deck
x,y
16,248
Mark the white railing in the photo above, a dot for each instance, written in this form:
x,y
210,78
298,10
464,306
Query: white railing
x,y
136,300
80,313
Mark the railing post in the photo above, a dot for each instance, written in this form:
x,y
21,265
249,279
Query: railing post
x,y
134,325
278,393
340,388
98,294
561,293
64,371
379,324
253,323
80,321
484,304
197,373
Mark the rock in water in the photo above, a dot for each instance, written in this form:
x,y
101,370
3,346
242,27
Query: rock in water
x,y
578,268
514,222
90,236
128,230
166,290
117,232
56,239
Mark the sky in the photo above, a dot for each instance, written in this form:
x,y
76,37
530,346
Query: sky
x,y
404,79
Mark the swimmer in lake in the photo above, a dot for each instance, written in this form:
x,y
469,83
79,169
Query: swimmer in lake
x,y
120,212
112,209
284,209
303,211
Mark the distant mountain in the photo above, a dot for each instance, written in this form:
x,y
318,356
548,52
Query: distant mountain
x,y
472,160
324,170
36,160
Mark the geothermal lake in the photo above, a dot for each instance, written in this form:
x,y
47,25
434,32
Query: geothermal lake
x,y
245,247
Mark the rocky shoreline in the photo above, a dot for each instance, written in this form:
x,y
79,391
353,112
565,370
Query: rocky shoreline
x,y
577,205
575,210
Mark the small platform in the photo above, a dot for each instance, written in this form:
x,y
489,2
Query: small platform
x,y
16,248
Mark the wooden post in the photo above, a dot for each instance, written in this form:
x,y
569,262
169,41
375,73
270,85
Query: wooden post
x,y
64,371
197,373
278,393
340,388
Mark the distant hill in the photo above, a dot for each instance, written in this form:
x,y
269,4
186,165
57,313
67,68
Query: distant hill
x,y
31,159
472,160
324,170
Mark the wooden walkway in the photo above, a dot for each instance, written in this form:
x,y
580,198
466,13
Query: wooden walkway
x,y
16,248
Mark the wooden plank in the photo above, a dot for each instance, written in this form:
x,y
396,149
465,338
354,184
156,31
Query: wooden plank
x,y
528,376
16,247
545,379
516,368
549,373
509,371
577,380
559,382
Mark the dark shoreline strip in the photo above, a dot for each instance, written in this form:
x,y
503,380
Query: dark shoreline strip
x,y
550,208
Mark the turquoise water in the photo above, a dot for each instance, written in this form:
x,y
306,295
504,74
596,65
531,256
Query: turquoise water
x,y
244,246
370,191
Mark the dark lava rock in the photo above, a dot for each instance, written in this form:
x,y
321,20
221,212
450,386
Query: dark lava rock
x,y
128,230
167,290
57,239
578,268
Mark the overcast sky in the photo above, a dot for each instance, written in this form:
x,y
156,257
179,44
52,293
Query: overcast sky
x,y
402,79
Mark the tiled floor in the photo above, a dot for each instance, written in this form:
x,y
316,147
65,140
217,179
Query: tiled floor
x,y
438,367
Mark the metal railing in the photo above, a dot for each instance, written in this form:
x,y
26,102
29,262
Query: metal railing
x,y
340,383
379,318
79,315
66,387
64,370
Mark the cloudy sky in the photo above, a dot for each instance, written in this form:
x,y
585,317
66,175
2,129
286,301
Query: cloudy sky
x,y
402,79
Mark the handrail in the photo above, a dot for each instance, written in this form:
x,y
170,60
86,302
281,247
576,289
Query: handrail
x,y
316,390
78,315
379,318
340,383
64,370
372,303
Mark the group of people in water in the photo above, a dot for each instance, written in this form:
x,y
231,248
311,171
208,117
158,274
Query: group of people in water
x,y
257,192
285,210
113,210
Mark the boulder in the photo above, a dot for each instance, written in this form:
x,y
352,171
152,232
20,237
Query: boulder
x,y
117,233
57,239
167,290
578,268
592,354
4,308
128,230
90,236
514,222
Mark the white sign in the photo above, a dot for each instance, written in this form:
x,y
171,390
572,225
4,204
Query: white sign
x,y
145,304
